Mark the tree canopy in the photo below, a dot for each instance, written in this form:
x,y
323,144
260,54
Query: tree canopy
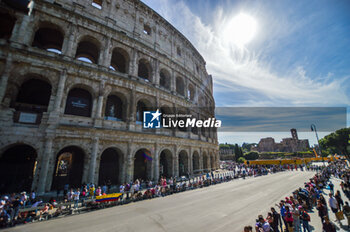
x,y
337,142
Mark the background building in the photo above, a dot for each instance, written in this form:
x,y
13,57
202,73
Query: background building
x,y
75,78
286,145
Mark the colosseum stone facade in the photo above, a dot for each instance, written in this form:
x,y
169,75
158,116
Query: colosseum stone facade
x,y
75,77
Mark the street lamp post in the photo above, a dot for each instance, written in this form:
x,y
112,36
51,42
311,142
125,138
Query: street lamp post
x,y
313,128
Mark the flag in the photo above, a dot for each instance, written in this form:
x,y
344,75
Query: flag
x,y
108,197
315,153
147,155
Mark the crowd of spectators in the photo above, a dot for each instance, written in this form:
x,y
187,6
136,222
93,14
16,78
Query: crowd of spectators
x,y
19,208
292,213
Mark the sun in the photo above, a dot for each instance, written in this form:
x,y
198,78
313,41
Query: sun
x,y
241,29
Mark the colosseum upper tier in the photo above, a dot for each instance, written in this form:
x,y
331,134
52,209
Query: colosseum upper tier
x,y
76,76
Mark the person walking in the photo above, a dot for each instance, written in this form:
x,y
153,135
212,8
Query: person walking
x,y
339,200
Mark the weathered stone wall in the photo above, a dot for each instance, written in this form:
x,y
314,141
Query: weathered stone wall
x,y
119,24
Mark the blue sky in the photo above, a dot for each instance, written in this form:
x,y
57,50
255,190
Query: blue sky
x,y
299,56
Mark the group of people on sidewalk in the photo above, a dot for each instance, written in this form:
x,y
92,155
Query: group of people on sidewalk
x,y
293,215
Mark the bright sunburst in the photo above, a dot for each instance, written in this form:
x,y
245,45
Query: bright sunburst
x,y
241,29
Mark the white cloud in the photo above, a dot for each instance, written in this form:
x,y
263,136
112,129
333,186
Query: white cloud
x,y
240,70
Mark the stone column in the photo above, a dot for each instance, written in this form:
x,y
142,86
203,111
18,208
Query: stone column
x,y
190,165
129,161
99,107
23,33
93,157
156,162
133,63
60,90
132,109
44,166
201,160
69,44
105,53
155,73
5,76
173,81
176,162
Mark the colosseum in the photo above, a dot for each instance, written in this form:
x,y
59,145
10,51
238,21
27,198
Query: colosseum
x,y
76,76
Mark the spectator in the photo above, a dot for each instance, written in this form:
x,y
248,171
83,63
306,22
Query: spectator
x,y
328,226
262,225
346,210
305,219
339,200
248,229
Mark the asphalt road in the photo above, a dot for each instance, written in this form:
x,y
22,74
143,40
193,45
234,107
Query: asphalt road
x,y
224,207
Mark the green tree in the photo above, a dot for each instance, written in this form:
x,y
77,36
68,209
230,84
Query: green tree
x,y
241,160
253,155
237,153
337,142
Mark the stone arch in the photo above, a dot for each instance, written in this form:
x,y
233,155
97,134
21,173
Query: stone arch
x,y
17,168
143,164
195,162
88,50
110,170
183,163
180,86
165,79
49,37
69,167
141,106
79,102
7,22
212,162
120,60
191,92
144,70
32,99
115,107
166,163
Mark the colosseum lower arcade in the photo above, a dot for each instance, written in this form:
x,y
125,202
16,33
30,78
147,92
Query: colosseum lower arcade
x,y
76,77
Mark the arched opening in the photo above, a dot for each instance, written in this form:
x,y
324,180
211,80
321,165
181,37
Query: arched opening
x,y
182,117
204,131
120,60
33,96
7,22
168,111
114,108
183,163
164,79
180,86
17,168
32,100
195,162
97,4
205,162
49,39
144,70
194,129
191,92
110,165
212,162
79,102
142,105
166,164
87,51
69,168
143,164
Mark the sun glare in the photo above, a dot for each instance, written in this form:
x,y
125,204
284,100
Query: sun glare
x,y
241,29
